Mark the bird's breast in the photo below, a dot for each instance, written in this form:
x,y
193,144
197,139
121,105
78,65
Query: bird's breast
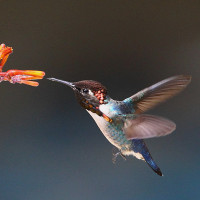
x,y
113,131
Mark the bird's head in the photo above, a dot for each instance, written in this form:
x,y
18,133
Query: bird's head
x,y
90,94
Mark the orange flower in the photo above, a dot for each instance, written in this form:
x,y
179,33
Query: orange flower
x,y
14,75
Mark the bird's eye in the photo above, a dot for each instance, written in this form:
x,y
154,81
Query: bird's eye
x,y
85,90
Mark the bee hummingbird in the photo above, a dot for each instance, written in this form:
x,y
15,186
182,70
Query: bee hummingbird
x,y
123,122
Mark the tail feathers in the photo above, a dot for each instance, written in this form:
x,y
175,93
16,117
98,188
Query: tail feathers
x,y
140,147
153,165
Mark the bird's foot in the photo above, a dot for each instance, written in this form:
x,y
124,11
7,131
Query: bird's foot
x,y
116,153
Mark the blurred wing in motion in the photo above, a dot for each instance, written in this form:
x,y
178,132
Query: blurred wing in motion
x,y
159,92
147,126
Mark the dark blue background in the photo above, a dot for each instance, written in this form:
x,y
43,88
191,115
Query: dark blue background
x,y
50,148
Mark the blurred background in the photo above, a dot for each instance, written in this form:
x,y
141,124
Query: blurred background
x,y
50,148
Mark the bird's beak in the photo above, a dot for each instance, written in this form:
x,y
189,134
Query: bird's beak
x,y
71,85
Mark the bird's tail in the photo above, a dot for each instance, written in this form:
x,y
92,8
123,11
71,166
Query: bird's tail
x,y
139,147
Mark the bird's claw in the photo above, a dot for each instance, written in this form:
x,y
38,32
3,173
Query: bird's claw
x,y
116,153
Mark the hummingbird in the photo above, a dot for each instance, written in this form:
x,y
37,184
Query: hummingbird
x,y
124,123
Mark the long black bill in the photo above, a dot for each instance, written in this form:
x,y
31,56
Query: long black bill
x,y
63,82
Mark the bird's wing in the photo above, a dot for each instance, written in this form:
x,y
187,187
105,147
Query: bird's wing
x,y
157,93
147,126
